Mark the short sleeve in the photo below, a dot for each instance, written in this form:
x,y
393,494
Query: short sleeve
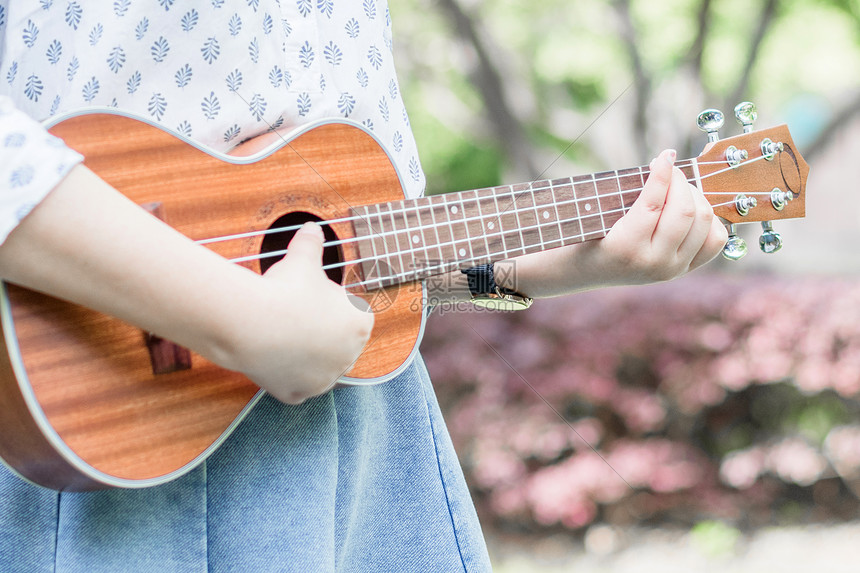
x,y
32,162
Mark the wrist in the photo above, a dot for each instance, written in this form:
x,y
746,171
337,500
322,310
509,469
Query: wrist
x,y
487,293
556,272
239,304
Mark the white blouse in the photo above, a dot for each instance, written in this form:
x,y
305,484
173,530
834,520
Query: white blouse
x,y
218,72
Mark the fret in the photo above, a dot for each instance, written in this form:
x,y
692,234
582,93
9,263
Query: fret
x,y
378,267
555,201
412,240
630,185
366,243
428,238
527,218
394,234
516,191
463,253
578,214
444,229
513,236
497,226
568,210
371,226
689,172
371,266
609,195
600,209
533,199
411,227
413,235
588,207
547,215
620,193
435,226
393,264
478,246
457,225
488,224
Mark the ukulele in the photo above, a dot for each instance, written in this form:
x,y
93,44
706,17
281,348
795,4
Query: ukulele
x,y
90,402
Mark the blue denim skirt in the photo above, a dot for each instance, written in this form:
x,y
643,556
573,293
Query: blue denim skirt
x,y
360,479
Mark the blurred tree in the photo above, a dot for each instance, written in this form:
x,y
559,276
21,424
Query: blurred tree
x,y
745,420
532,89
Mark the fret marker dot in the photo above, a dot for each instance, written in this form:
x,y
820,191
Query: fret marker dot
x,y
415,239
491,225
462,252
588,206
546,214
453,208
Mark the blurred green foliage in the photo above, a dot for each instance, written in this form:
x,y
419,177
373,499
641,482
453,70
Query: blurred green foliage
x,y
714,538
561,65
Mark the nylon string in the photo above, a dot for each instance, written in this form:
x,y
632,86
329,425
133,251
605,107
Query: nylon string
x,y
512,194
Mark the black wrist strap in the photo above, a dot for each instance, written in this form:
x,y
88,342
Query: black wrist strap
x,y
482,281
487,294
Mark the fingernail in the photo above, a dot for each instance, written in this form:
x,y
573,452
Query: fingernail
x,y
313,228
671,155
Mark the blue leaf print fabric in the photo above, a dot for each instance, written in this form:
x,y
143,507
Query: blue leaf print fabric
x,y
223,72
33,162
298,489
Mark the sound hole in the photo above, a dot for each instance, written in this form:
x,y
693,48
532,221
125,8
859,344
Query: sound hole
x,y
279,241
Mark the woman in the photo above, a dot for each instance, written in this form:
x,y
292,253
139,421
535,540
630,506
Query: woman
x,y
314,479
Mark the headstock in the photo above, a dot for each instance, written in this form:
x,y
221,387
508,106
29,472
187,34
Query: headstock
x,y
755,177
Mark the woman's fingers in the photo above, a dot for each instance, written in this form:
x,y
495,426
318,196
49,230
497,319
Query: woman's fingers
x,y
713,244
678,218
644,215
669,230
700,229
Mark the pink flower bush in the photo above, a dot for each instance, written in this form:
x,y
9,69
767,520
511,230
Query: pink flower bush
x,y
709,395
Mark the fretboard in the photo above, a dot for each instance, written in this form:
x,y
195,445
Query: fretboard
x,y
414,239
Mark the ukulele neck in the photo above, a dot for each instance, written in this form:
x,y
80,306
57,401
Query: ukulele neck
x,y
413,239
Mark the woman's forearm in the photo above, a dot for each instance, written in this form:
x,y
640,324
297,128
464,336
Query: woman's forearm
x,y
87,243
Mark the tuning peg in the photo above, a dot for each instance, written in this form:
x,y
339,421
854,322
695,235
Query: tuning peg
x,y
746,115
770,241
736,247
779,198
710,121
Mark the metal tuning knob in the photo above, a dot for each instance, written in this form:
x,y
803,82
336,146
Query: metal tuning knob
x,y
770,241
779,198
769,149
736,247
746,115
710,121
735,156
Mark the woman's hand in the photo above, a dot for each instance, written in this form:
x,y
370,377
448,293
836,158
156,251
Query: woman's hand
x,y
305,331
670,230
292,331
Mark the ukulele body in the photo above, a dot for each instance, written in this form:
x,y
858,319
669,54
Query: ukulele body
x,y
90,402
